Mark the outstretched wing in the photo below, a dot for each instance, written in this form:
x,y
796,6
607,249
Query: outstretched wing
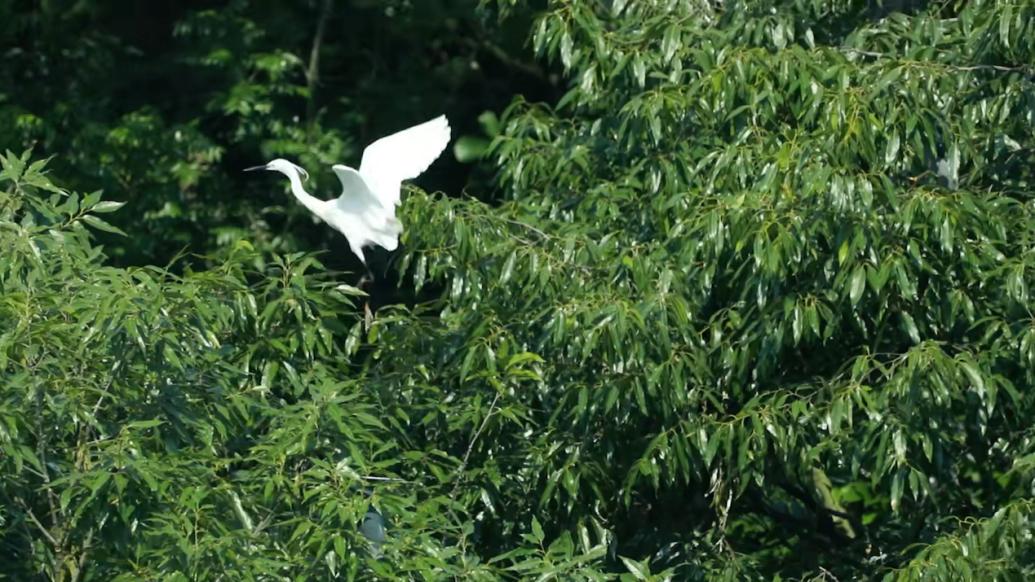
x,y
360,215
354,186
402,156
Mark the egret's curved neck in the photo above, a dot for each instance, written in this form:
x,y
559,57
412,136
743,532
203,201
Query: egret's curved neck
x,y
315,205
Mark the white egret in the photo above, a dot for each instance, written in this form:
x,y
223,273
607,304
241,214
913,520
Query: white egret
x,y
365,211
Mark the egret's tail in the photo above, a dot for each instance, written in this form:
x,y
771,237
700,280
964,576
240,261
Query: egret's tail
x,y
388,235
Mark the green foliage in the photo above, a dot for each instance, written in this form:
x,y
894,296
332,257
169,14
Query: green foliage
x,y
178,427
999,547
750,301
775,260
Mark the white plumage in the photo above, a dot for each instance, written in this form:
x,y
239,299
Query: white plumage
x,y
365,211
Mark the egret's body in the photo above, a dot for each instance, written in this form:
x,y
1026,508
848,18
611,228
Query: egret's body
x,y
365,211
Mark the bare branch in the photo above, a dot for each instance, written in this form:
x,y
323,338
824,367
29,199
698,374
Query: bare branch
x,y
878,55
85,552
312,74
384,479
43,530
470,446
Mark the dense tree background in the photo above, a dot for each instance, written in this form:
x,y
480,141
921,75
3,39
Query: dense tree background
x,y
739,290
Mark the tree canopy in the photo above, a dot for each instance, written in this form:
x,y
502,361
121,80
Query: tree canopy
x,y
738,291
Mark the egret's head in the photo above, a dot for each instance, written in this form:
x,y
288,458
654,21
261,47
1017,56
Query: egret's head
x,y
284,167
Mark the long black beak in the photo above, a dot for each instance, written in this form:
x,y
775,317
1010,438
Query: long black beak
x,y
253,168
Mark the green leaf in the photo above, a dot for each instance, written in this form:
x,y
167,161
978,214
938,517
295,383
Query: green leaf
x,y
891,152
101,224
858,284
107,206
537,530
949,168
974,375
896,490
470,148
910,327
639,570
490,123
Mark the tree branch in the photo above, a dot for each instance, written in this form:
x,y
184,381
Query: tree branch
x,y
999,68
43,530
385,479
41,452
85,552
470,446
312,74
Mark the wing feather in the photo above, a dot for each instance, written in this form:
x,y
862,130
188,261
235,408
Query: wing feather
x,y
402,156
359,213
353,184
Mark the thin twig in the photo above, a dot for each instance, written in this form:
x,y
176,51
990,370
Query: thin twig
x,y
385,479
87,545
1000,68
528,226
104,391
501,55
41,450
470,446
32,517
827,574
861,52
